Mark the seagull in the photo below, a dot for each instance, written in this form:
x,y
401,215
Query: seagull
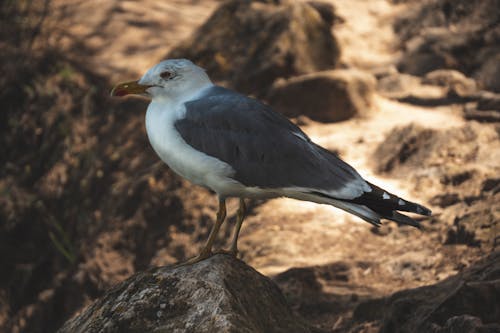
x,y
239,147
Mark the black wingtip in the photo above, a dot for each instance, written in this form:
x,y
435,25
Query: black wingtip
x,y
421,210
379,199
403,219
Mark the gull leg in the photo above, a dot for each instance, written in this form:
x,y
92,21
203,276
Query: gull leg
x,y
239,221
207,249
221,215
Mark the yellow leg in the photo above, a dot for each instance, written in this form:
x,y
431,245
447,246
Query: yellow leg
x,y
239,221
207,249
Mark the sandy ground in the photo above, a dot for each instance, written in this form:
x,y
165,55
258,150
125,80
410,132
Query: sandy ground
x,y
122,39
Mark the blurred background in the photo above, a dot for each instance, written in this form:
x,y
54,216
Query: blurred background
x,y
408,92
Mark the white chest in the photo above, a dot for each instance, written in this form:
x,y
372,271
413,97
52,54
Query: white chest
x,y
191,164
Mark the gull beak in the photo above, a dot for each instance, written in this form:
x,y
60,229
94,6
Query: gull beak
x,y
127,88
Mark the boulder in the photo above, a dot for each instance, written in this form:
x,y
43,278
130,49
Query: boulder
x,y
326,96
489,73
489,101
486,108
466,302
442,87
248,44
399,85
333,297
422,60
461,35
412,89
456,82
472,111
439,87
454,162
220,294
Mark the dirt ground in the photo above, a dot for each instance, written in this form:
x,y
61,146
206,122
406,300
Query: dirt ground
x,y
85,202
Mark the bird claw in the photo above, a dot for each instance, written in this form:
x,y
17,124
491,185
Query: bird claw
x,y
231,252
202,256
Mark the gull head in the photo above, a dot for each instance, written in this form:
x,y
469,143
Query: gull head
x,y
170,79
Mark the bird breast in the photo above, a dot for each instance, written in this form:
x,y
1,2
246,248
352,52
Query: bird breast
x,y
186,161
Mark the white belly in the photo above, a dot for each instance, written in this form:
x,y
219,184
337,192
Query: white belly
x,y
186,161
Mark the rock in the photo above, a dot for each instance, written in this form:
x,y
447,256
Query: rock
x,y
327,96
472,111
442,87
382,71
220,294
455,162
439,87
459,234
488,101
466,302
412,89
403,146
461,35
456,82
478,225
249,44
486,108
327,12
491,185
445,200
472,293
465,324
421,62
398,85
323,294
489,74
414,147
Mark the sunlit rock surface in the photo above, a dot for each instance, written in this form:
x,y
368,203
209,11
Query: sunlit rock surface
x,y
220,294
269,39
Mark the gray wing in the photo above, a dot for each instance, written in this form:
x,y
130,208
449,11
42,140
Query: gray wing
x,y
264,148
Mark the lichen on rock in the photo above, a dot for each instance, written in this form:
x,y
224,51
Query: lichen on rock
x,y
220,294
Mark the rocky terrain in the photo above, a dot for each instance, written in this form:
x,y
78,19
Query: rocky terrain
x,y
405,91
222,294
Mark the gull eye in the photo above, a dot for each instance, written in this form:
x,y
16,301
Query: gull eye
x,y
166,75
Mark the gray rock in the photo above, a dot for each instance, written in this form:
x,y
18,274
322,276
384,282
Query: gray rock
x,y
327,96
421,62
439,87
488,101
472,111
459,34
473,293
220,294
489,73
398,85
456,82
249,44
486,107
465,324
466,302
442,87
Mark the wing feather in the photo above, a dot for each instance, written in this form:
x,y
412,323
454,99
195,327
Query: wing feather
x,y
264,148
